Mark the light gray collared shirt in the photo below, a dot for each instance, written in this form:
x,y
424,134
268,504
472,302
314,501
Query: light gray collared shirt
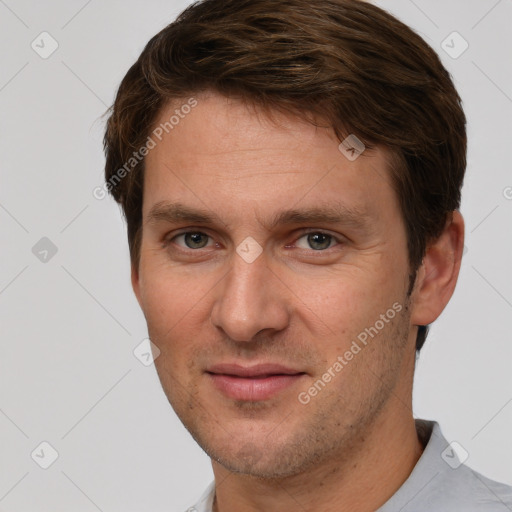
x,y
438,483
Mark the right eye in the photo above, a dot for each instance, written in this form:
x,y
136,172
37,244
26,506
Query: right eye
x,y
192,239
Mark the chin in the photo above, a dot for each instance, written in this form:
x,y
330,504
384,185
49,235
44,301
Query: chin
x,y
260,459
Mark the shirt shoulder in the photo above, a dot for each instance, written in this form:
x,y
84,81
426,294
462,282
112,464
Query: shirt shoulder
x,y
474,492
441,482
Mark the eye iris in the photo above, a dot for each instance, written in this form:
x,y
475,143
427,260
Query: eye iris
x,y
319,238
196,240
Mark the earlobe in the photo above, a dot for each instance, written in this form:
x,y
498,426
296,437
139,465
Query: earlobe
x,y
439,272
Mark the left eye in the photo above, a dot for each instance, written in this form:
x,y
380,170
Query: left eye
x,y
317,241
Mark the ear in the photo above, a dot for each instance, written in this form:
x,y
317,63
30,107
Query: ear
x,y
136,283
438,273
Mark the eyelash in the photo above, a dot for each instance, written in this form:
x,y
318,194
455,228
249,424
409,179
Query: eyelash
x,y
167,242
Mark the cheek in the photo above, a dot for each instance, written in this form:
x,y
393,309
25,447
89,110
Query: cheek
x,y
175,303
166,292
349,302
162,300
171,312
160,304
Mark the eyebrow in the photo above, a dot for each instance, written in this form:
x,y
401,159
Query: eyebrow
x,y
329,214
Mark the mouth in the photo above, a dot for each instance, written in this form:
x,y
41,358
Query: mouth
x,y
254,383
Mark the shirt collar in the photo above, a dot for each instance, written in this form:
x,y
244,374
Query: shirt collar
x,y
433,462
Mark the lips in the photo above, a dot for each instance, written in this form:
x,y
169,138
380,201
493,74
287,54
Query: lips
x,y
252,383
259,370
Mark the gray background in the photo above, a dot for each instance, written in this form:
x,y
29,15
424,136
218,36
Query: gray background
x,y
70,323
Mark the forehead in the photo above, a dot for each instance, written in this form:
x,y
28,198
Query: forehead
x,y
228,154
219,124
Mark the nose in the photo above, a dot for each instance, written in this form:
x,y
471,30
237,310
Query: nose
x,y
250,299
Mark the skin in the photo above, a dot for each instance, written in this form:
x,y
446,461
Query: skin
x,y
354,444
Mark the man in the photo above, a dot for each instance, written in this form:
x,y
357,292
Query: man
x,y
290,173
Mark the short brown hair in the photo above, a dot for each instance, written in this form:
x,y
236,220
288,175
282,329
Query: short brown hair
x,y
346,61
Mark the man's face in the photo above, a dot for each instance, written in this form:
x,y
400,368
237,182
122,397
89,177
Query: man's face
x,y
318,286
